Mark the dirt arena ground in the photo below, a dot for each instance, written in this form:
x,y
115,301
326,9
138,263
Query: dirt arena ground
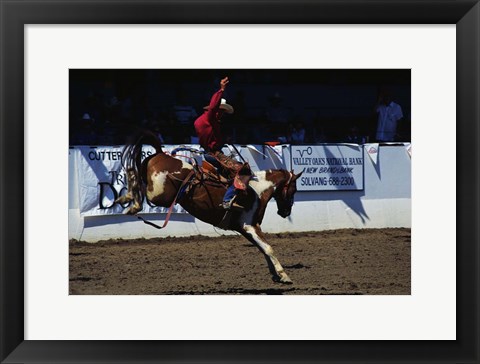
x,y
336,262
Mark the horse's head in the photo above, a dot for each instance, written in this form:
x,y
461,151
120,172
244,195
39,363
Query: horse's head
x,y
284,193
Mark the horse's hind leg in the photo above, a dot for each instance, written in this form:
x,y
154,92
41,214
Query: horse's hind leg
x,y
124,199
254,235
133,193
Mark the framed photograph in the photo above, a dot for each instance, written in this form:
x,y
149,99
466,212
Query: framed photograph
x,y
316,123
49,49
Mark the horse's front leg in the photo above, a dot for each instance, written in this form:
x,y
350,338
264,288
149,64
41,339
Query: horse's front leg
x,y
254,235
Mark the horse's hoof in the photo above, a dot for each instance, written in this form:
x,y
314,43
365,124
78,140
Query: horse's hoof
x,y
284,280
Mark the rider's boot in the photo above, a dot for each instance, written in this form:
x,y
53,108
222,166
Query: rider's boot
x,y
232,205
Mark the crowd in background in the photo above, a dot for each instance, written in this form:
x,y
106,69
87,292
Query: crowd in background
x,y
270,106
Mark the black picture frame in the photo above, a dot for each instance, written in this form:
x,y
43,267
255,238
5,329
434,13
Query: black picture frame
x,y
15,14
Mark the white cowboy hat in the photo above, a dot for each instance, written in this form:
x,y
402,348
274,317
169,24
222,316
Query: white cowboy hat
x,y
224,106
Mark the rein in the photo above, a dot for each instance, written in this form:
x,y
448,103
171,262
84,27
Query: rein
x,y
185,181
238,153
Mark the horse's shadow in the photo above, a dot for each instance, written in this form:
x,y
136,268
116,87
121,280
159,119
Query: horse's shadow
x,y
267,291
92,221
248,291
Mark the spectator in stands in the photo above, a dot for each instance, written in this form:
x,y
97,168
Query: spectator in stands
x,y
158,132
182,112
318,131
259,131
276,112
176,134
112,110
389,114
194,139
148,120
126,108
86,134
297,133
277,116
354,136
93,108
240,107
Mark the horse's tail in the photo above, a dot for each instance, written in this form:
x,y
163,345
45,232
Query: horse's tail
x,y
132,153
134,167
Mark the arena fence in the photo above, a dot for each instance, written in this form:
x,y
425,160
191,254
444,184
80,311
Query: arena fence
x,y
342,186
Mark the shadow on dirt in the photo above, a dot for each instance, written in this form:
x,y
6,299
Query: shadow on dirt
x,y
266,291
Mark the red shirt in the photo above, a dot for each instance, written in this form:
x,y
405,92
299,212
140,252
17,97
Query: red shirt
x,y
207,125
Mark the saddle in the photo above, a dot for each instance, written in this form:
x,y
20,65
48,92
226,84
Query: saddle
x,y
228,169
211,172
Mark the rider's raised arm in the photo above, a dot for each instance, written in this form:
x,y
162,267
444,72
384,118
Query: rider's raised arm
x,y
216,99
214,104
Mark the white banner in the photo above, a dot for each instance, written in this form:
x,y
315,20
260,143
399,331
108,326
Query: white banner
x,y
328,167
101,180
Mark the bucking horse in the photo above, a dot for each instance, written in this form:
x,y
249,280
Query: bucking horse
x,y
165,180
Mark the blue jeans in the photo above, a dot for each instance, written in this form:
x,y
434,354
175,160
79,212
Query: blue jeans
x,y
231,190
229,194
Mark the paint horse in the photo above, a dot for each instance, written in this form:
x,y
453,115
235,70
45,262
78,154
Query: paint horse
x,y
165,180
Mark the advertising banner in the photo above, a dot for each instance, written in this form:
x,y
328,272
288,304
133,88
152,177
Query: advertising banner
x,y
328,167
102,179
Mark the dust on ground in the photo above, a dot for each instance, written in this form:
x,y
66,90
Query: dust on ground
x,y
334,262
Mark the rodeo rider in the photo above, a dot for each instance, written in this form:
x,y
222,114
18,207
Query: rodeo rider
x,y
208,129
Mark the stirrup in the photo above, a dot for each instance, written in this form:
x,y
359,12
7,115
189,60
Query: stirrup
x,y
231,205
